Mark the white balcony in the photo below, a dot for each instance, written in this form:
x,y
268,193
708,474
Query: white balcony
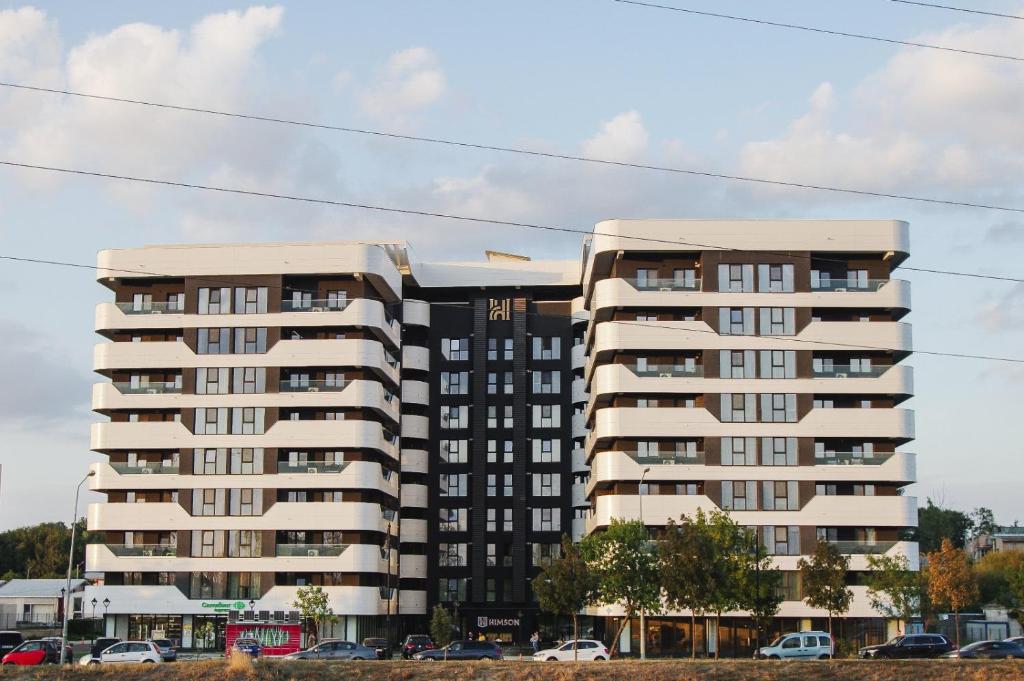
x,y
579,529
578,495
578,356
414,461
416,357
343,515
414,496
416,312
413,567
415,426
348,352
579,391
579,425
579,461
415,392
412,603
287,434
413,531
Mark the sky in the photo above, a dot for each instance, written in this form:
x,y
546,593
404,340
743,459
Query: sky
x,y
585,77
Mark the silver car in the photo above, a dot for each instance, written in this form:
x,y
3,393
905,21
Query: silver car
x,y
335,650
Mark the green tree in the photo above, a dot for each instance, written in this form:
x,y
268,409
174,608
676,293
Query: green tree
x,y
626,566
983,521
894,590
951,582
441,626
994,572
824,580
686,552
760,588
41,551
566,586
730,560
935,523
314,605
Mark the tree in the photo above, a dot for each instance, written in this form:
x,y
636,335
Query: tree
x,y
686,552
951,583
626,567
731,544
41,551
441,627
313,604
566,586
983,521
994,572
894,590
760,588
824,580
935,523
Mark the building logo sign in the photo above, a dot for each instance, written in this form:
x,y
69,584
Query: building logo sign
x,y
222,605
483,622
499,309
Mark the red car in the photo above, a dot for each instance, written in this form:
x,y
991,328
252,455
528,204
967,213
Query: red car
x,y
32,653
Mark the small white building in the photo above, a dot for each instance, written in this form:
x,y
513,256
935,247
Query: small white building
x,y
37,601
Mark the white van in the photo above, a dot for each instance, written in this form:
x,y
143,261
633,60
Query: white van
x,y
806,645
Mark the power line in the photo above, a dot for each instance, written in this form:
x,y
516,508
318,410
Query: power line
x,y
464,218
814,29
959,9
525,152
571,318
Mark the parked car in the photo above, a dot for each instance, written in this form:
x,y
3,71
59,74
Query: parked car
x,y
988,650
334,650
101,644
131,651
167,651
573,650
32,653
380,645
9,640
1019,640
908,647
55,641
462,650
415,643
805,645
249,646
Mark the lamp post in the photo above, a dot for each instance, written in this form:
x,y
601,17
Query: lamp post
x,y
643,622
387,620
93,627
458,625
71,559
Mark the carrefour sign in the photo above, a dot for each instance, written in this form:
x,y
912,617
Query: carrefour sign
x,y
222,605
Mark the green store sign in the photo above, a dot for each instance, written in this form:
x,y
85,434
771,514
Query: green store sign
x,y
222,605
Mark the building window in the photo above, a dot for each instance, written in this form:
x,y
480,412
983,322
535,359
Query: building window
x,y
454,416
452,589
245,544
175,302
492,349
250,380
778,451
860,365
688,489
547,416
778,321
684,278
251,340
492,520
492,416
780,495
455,349
547,451
492,590
213,341
508,348
547,519
739,407
506,524
453,484
778,364
212,381
207,544
209,461
247,420
246,502
454,451
737,364
507,416
546,484
547,347
739,495
547,381
544,555
492,485
507,384
211,421
739,451
207,502
452,555
492,451
506,490
775,278
736,321
778,408
246,461
454,382
782,540
507,454
736,278
492,383
214,301
857,279
453,519
646,278
492,555
865,490
251,300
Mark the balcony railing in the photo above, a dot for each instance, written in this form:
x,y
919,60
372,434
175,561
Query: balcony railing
x,y
847,371
151,308
665,458
312,467
862,547
143,550
852,458
311,550
154,468
154,388
667,370
664,284
315,305
844,285
312,386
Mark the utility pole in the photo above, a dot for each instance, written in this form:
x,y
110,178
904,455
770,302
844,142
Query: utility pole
x,y
71,560
643,623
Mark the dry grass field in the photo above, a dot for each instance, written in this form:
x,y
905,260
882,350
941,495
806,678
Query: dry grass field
x,y
653,670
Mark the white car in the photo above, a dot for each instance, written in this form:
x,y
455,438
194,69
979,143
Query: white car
x,y
132,651
573,650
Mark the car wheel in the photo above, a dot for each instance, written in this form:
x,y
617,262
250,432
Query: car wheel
x,y
599,658
552,659
774,657
356,659
147,662
826,656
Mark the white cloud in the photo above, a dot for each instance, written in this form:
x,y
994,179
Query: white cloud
x,y
1004,313
623,138
410,81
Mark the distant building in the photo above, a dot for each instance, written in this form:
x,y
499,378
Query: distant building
x,y
1008,538
37,601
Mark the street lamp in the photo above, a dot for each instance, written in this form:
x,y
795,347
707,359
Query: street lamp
x,y
387,620
93,627
643,622
71,558
252,608
458,625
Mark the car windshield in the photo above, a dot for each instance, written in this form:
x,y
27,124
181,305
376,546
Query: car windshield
x,y
10,639
980,645
162,642
245,642
776,643
895,641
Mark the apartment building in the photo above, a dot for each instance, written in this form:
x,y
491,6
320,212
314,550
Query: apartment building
x,y
406,434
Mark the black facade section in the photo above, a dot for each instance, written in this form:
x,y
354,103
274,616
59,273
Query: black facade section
x,y
478,448
520,484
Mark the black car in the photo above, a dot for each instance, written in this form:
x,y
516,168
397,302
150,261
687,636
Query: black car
x,y
908,647
415,643
9,640
380,645
462,650
989,650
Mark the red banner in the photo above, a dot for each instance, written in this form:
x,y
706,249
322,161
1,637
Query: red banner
x,y
276,639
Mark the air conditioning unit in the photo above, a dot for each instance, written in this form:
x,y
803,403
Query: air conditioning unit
x,y
665,374
840,375
312,470
314,389
839,290
665,288
313,553
147,552
145,471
